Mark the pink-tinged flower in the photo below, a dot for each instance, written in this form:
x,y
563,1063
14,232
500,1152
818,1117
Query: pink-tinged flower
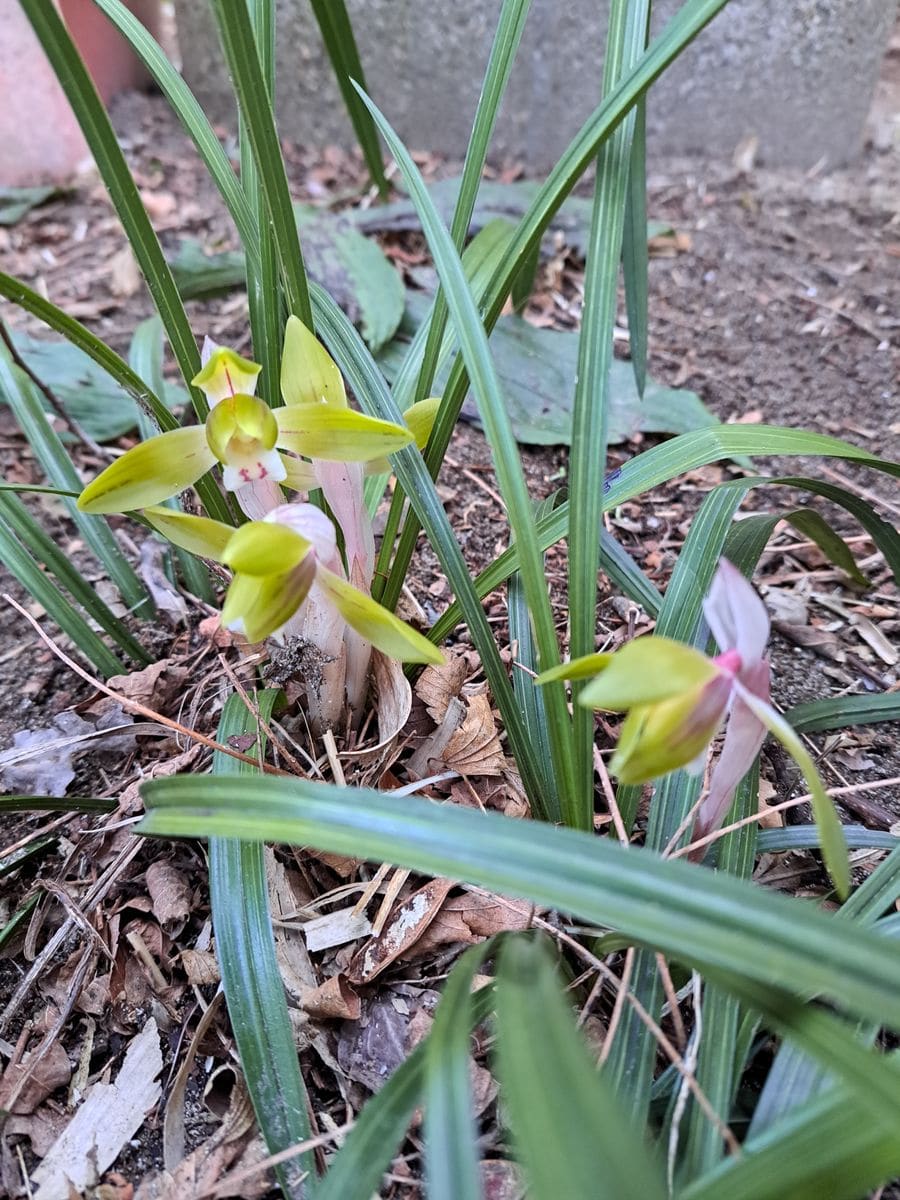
x,y
277,563
677,699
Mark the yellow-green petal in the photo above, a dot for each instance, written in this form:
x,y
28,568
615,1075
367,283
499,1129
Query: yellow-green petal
x,y
265,548
658,738
645,671
226,373
197,535
258,606
309,374
337,434
386,632
577,668
240,425
420,418
299,474
152,471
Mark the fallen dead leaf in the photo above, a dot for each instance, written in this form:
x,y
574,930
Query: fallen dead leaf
x,y
170,896
438,685
405,926
200,967
111,1114
155,686
470,918
334,1000
812,637
474,749
50,1072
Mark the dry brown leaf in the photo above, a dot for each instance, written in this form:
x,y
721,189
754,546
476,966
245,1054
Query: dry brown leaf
x,y
111,1114
474,749
812,637
438,685
170,896
155,686
471,918
201,967
334,1000
130,801
405,926
50,1072
41,1127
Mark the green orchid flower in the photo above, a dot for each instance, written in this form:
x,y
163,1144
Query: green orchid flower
x,y
246,437
278,564
676,700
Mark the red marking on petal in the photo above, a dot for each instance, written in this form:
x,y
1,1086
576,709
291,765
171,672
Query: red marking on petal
x,y
228,380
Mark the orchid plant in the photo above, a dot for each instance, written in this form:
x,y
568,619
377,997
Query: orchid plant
x,y
290,577
677,698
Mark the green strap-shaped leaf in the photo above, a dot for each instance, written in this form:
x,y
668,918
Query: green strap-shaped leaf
x,y
101,138
508,466
337,34
255,107
678,456
17,560
25,403
369,386
625,43
569,1129
684,26
686,911
841,712
417,373
451,1136
245,949
30,533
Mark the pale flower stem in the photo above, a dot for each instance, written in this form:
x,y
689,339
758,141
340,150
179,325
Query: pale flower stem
x,y
323,627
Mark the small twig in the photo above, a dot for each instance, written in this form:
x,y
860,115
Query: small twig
x,y
672,999
873,785
139,946
692,1053
618,1006
662,1040
331,752
609,793
93,897
52,399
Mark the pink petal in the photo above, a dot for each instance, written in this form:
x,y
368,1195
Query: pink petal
x,y
209,349
743,738
310,522
342,485
735,614
258,498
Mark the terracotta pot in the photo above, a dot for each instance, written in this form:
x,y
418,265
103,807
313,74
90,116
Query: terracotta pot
x,y
40,141
109,58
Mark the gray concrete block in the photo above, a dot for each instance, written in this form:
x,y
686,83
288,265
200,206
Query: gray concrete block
x,y
797,74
